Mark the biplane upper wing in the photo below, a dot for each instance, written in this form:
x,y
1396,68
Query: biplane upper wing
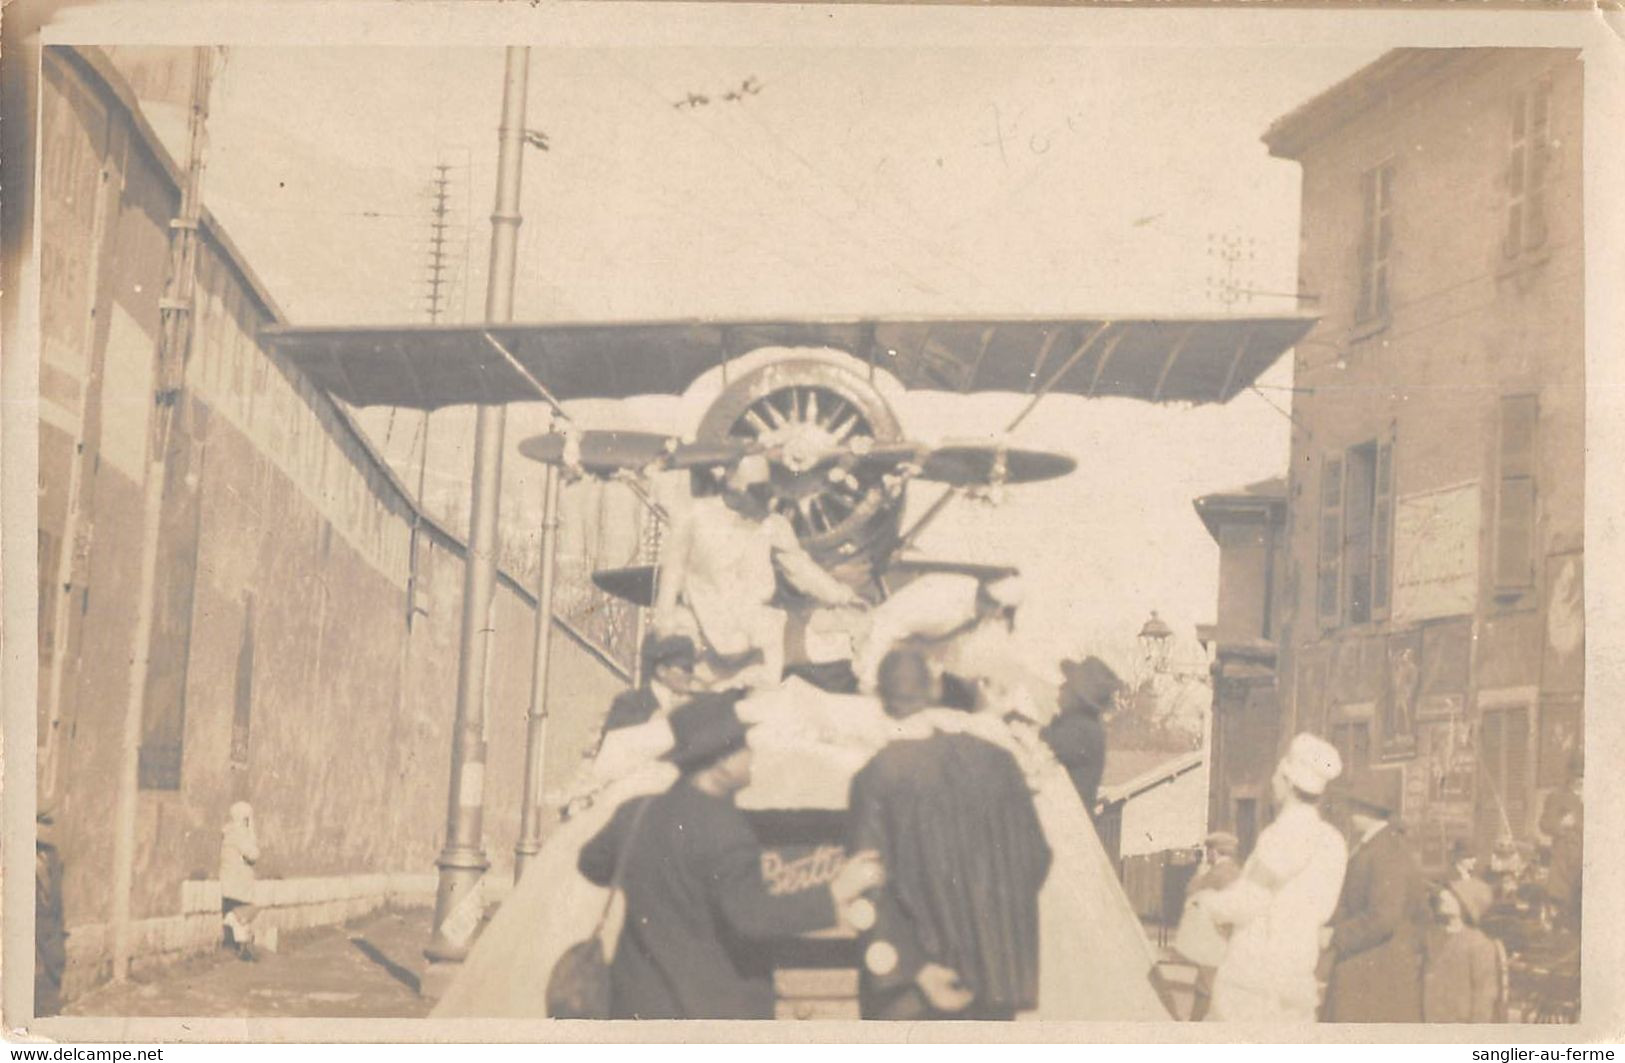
x,y
1196,360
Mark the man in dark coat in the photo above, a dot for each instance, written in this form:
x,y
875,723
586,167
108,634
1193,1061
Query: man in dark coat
x,y
1077,736
1377,932
668,670
697,908
50,936
955,931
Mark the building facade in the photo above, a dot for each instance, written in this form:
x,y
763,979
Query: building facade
x,y
1432,622
1250,527
305,614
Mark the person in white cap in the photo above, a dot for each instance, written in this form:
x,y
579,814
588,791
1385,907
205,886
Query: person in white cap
x,y
1287,890
943,614
719,575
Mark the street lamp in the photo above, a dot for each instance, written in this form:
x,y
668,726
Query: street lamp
x,y
1156,640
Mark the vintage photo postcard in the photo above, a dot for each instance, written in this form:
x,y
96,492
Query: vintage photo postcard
x,y
595,522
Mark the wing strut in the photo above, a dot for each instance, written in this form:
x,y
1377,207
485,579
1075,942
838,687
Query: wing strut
x,y
559,411
1032,404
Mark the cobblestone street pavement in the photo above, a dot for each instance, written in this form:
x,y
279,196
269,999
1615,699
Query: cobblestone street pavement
x,y
365,969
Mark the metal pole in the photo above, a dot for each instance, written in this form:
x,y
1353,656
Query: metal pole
x,y
168,395
458,906
530,816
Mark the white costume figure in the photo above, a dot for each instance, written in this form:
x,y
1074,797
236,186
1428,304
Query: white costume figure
x,y
1286,893
239,852
945,614
722,563
808,744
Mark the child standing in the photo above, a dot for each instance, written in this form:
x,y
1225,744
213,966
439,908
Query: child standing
x,y
1461,976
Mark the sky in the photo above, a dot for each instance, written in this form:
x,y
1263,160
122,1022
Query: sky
x,y
842,180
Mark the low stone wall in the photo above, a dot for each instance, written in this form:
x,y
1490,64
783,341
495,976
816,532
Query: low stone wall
x,y
285,904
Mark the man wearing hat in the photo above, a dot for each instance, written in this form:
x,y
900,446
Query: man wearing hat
x,y
1077,736
939,614
719,574
697,908
1287,890
1376,935
668,677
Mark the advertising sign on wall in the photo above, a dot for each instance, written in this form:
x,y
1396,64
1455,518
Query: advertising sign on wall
x,y
1436,553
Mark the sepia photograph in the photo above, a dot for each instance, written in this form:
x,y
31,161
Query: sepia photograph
x,y
941,525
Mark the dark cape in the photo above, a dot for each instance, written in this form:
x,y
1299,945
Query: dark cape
x,y
953,820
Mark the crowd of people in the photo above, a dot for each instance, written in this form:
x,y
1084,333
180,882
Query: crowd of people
x,y
1319,925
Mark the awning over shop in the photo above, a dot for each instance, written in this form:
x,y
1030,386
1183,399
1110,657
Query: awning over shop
x,y
1196,360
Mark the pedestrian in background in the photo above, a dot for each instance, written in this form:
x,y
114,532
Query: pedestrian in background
x,y
1198,939
1375,939
1077,735
1562,819
239,852
1462,972
1287,890
50,933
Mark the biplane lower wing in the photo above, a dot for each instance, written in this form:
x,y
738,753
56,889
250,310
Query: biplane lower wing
x,y
1195,360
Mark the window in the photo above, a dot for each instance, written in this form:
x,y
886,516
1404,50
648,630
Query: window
x,y
1331,538
1503,750
1528,167
1376,241
1356,533
1515,496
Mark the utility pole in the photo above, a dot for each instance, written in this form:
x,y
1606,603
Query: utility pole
x,y
437,240
458,905
531,813
168,405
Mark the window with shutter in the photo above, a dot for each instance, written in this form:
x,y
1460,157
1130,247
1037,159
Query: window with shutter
x,y
1360,473
1528,167
1382,530
1376,241
1515,512
1331,538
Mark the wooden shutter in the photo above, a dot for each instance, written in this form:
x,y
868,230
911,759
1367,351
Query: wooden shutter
x,y
1515,503
1382,530
1331,538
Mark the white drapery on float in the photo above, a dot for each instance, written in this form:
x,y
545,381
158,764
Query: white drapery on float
x,y
1096,964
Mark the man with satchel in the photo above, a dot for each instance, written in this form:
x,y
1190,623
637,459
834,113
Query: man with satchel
x,y
697,908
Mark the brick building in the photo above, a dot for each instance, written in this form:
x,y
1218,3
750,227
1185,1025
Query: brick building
x,y
1431,619
1250,527
304,642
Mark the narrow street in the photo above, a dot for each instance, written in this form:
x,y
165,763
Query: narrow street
x,y
368,968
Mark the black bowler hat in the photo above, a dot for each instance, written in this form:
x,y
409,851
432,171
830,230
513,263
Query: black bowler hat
x,y
1374,791
704,729
1096,684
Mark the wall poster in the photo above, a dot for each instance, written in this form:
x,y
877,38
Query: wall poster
x,y
1436,554
1398,705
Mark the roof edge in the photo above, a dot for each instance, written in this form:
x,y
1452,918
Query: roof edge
x,y
1294,131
